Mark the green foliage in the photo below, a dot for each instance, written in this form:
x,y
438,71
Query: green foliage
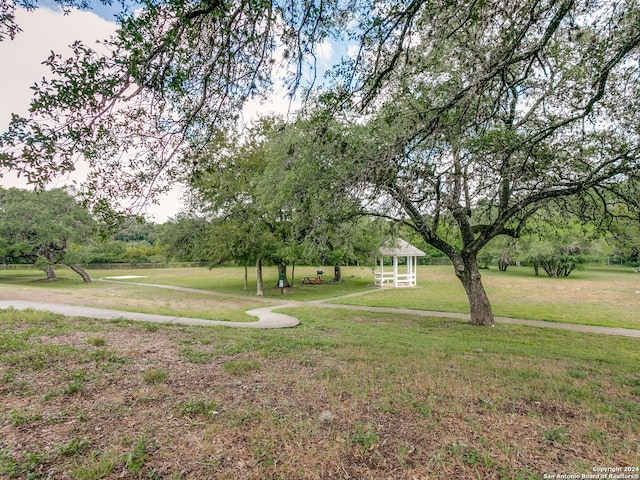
x,y
96,466
39,227
624,234
556,435
365,437
240,367
106,251
183,239
134,460
557,243
195,407
97,341
273,197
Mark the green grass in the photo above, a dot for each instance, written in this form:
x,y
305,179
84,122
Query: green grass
x,y
595,296
592,296
419,395
230,280
154,376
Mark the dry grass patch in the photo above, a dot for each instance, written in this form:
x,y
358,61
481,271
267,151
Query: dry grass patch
x,y
342,396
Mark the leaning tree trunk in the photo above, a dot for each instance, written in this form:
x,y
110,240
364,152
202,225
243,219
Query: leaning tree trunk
x,y
259,289
81,272
469,274
504,261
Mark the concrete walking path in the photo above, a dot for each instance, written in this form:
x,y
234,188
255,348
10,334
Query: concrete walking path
x,y
268,318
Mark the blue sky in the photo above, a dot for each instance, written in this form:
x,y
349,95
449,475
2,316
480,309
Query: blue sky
x,y
105,11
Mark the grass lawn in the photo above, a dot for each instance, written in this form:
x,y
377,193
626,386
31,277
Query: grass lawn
x,y
345,395
28,285
594,296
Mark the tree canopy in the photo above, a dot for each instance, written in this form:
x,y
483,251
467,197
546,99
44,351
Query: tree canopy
x,y
39,227
494,111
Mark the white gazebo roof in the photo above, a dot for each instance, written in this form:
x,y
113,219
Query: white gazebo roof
x,y
400,248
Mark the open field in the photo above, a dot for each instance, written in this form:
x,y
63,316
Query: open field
x,y
595,296
345,395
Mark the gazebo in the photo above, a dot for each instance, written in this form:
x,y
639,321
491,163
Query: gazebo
x,y
396,249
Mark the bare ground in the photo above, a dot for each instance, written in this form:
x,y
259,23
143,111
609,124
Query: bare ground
x,y
170,403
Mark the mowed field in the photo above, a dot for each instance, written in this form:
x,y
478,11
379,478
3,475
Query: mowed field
x,y
344,395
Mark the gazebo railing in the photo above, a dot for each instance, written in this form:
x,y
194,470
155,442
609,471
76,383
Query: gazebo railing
x,y
403,279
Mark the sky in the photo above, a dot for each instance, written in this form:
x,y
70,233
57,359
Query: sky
x,y
48,29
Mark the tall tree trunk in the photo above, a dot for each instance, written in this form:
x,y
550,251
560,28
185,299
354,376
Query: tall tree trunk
x,y
259,289
469,274
282,269
246,278
81,272
51,273
337,273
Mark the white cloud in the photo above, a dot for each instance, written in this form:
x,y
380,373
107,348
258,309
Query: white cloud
x,y
352,50
324,53
43,31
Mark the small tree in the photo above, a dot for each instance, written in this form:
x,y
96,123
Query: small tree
x,y
557,242
556,260
40,226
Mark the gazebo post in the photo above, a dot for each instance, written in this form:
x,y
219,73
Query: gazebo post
x,y
395,270
414,271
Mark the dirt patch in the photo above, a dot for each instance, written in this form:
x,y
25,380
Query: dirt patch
x,y
171,403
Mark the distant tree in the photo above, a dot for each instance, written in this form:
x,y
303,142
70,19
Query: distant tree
x,y
225,189
183,239
315,217
501,251
623,234
41,226
137,230
557,242
102,251
557,260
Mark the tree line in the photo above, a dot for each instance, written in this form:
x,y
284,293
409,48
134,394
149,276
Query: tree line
x,y
52,228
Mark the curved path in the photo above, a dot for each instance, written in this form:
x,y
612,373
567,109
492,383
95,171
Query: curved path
x,y
267,318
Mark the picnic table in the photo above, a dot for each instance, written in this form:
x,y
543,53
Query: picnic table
x,y
318,279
